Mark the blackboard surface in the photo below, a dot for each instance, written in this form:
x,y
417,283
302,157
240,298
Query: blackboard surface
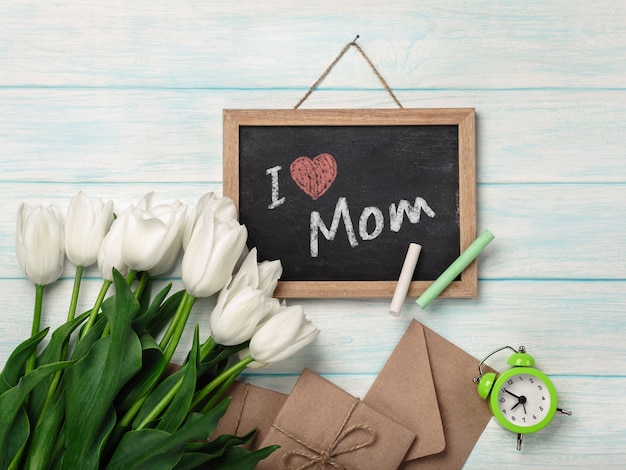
x,y
339,195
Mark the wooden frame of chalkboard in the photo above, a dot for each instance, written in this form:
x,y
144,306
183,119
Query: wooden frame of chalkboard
x,y
338,194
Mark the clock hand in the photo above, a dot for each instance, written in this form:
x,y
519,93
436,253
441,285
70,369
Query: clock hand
x,y
520,401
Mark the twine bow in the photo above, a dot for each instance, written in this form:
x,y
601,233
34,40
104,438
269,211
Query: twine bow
x,y
327,456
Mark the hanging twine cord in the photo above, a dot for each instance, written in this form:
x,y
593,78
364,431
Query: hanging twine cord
x,y
327,456
334,62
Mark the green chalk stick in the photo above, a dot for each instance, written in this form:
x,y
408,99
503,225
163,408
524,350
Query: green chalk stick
x,y
455,269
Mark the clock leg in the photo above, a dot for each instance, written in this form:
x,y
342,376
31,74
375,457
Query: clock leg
x,y
564,412
519,442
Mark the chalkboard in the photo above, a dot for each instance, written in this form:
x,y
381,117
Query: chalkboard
x,y
338,195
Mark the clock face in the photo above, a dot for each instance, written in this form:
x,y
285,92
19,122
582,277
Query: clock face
x,y
523,400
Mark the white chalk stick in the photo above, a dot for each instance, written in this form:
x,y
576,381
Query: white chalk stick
x,y
404,281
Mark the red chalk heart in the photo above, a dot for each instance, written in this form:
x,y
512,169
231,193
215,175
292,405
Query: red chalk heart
x,y
315,176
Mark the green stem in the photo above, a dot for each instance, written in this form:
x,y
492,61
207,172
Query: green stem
x,y
219,394
143,282
206,348
133,410
74,302
235,370
30,364
168,346
160,407
172,326
38,307
96,308
130,277
176,328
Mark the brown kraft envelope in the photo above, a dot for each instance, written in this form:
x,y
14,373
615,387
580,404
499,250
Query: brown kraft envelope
x,y
464,414
322,426
251,407
405,391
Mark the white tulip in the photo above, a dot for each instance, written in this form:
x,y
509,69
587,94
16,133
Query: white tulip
x,y
40,243
87,222
110,254
263,276
236,317
283,334
222,207
153,235
269,274
214,248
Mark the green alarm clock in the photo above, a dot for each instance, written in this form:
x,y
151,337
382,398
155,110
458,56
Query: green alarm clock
x,y
522,399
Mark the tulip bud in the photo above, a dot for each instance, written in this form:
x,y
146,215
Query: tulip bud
x,y
282,335
213,250
263,276
40,243
269,274
235,317
110,254
87,223
153,235
222,207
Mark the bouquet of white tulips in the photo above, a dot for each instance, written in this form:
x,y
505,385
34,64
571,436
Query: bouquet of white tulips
x,y
99,392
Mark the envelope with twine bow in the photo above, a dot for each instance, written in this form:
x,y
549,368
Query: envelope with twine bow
x,y
251,407
421,358
322,426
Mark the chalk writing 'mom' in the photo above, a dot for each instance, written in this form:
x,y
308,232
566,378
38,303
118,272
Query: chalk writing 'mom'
x,y
342,213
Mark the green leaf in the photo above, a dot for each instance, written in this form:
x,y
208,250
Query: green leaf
x,y
157,395
14,367
165,312
149,448
153,365
53,352
11,410
131,452
193,460
86,342
219,443
58,340
238,458
224,453
180,406
46,434
94,382
18,438
217,360
146,315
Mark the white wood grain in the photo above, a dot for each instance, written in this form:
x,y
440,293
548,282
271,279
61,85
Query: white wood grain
x,y
248,44
130,135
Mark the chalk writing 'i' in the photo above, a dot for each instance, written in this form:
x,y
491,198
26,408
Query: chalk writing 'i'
x,y
276,201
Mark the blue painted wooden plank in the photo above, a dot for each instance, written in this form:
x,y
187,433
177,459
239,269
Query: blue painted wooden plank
x,y
176,136
250,44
